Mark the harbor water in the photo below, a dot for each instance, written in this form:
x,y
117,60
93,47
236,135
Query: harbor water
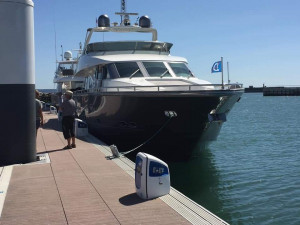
x,y
251,175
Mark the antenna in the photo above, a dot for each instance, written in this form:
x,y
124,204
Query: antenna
x,y
126,20
79,51
123,6
228,72
62,53
55,44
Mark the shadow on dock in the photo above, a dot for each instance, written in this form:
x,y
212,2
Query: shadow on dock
x,y
54,150
52,124
131,199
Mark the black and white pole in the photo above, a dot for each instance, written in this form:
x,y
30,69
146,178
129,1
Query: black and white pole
x,y
17,83
222,72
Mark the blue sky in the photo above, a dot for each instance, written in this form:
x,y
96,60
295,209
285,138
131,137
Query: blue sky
x,y
259,38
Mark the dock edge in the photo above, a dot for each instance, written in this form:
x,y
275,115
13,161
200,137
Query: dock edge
x,y
187,208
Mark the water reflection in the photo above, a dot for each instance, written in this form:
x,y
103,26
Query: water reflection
x,y
199,179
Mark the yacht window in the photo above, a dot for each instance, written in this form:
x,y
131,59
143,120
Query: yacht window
x,y
98,73
90,82
112,72
181,70
101,73
78,85
66,69
104,72
86,83
157,69
67,72
98,77
129,69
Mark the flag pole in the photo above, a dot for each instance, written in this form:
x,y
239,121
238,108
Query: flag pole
x,y
228,72
222,73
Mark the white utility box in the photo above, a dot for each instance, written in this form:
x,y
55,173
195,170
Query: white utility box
x,y
53,110
80,128
152,177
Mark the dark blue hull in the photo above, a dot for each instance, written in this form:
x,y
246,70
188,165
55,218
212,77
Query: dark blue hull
x,y
129,119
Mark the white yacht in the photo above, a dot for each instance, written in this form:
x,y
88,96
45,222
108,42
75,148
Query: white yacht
x,y
64,78
137,94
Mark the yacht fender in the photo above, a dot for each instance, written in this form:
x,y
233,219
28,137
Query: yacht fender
x,y
17,84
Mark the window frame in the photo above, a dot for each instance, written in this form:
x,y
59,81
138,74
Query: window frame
x,y
138,65
165,64
169,64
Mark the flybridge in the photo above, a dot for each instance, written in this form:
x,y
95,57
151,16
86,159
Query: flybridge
x,y
104,25
123,29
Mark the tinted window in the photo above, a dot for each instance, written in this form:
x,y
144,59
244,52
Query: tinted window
x,y
181,70
129,46
128,69
157,69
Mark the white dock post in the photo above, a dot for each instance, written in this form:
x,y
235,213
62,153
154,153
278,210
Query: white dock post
x,y
17,84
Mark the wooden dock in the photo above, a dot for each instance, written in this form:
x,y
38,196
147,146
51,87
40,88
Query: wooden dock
x,y
81,186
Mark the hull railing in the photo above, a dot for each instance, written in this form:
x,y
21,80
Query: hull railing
x,y
167,88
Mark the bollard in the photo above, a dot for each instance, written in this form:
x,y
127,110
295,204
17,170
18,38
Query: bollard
x,y
17,85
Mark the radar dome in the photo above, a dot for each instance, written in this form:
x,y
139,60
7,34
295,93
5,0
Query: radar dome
x,y
145,22
68,55
103,21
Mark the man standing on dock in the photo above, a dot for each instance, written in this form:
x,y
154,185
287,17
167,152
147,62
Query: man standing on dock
x,y
68,109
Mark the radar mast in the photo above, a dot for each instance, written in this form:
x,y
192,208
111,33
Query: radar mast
x,y
126,20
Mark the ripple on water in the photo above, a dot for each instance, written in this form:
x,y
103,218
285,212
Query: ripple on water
x,y
253,170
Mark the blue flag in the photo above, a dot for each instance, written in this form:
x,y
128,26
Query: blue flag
x,y
217,67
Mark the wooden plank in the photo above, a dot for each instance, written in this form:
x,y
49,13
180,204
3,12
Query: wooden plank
x,y
80,186
32,197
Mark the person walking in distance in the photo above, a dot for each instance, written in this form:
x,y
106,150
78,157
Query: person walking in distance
x,y
68,109
38,114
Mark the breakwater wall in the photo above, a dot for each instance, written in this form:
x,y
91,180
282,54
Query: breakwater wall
x,y
281,91
252,89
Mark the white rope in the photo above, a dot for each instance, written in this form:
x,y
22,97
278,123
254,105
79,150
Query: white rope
x,y
117,154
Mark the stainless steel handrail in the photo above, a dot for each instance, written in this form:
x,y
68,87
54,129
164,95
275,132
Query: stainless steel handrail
x,y
160,88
